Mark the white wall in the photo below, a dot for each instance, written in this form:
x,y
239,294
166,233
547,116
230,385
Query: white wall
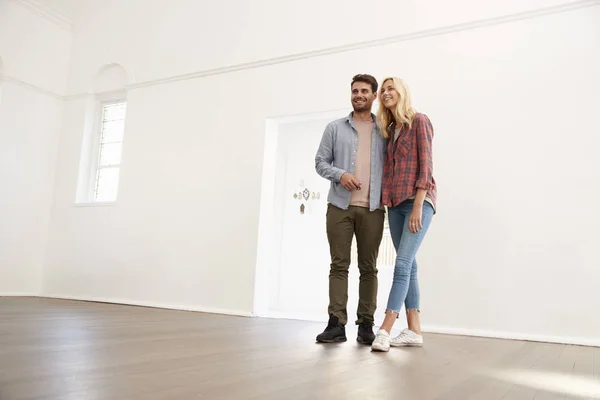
x,y
511,249
35,55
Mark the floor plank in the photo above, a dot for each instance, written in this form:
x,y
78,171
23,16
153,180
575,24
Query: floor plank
x,y
60,349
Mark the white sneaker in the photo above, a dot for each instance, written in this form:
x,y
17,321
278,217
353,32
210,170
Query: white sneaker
x,y
381,342
407,338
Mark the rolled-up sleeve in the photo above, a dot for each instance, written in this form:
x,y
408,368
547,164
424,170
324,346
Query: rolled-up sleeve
x,y
324,157
424,144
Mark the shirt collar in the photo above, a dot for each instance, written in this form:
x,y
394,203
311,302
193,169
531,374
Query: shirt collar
x,y
350,119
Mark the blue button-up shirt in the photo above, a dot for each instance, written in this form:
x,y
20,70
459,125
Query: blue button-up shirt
x,y
337,154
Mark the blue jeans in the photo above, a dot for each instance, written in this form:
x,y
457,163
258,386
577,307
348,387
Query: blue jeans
x,y
405,287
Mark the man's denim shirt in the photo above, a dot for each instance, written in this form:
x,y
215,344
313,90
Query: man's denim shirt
x,y
337,154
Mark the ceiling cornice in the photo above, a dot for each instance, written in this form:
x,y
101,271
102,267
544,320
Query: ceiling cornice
x,y
48,13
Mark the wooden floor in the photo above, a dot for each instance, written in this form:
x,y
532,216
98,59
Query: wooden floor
x,y
57,349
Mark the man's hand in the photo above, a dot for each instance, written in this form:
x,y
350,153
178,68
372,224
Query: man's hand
x,y
349,182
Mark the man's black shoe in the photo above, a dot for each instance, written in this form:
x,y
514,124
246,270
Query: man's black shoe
x,y
334,333
365,333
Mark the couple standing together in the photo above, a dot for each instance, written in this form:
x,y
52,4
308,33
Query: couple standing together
x,y
372,162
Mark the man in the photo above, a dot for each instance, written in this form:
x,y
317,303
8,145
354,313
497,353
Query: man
x,y
351,156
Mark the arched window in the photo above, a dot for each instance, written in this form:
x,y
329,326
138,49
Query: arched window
x,y
103,141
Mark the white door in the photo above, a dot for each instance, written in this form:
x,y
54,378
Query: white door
x,y
304,263
299,279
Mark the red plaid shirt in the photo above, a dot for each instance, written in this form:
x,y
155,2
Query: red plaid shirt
x,y
408,163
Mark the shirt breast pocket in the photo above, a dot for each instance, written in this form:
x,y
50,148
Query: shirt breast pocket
x,y
404,145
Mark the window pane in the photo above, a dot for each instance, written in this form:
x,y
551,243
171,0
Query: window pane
x,y
110,154
107,184
113,122
112,131
113,112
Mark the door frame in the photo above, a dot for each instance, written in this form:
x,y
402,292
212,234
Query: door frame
x,y
268,255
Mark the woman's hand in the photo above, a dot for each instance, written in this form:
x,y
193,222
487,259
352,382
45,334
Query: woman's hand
x,y
414,222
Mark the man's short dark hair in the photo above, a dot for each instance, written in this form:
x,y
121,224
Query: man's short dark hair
x,y
366,78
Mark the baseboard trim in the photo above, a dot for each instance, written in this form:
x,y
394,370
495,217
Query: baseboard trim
x,y
307,317
166,306
579,341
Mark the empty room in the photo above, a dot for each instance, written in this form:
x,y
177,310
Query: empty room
x,y
299,200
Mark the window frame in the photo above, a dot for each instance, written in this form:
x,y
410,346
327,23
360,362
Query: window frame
x,y
94,167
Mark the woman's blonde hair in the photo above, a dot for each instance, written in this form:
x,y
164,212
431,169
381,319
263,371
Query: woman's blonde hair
x,y
403,113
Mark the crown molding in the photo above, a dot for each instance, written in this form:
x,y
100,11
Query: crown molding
x,y
477,24
34,88
50,14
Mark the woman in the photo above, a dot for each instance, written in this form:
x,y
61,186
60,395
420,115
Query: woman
x,y
409,192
